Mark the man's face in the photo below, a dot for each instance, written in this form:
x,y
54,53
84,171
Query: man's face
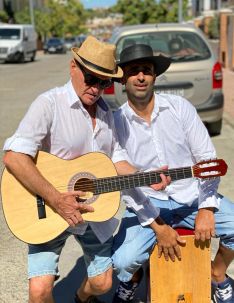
x,y
139,78
88,85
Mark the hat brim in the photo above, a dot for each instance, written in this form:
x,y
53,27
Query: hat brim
x,y
117,74
161,63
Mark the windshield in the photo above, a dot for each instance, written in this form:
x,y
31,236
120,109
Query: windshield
x,y
70,39
180,46
9,33
54,41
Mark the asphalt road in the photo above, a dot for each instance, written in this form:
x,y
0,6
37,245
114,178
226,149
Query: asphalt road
x,y
19,86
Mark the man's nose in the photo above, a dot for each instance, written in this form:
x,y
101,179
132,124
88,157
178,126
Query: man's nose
x,y
141,76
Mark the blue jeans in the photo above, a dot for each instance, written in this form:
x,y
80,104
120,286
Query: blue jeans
x,y
43,258
133,243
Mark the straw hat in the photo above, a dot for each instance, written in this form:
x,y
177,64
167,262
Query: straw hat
x,y
143,52
98,57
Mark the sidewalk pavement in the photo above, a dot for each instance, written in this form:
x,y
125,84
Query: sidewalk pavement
x,y
228,85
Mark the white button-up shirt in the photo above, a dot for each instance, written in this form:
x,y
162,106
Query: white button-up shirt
x,y
57,122
175,137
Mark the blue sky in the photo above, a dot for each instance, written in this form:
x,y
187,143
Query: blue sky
x,y
98,3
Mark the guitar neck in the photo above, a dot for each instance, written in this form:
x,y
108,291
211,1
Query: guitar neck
x,y
105,185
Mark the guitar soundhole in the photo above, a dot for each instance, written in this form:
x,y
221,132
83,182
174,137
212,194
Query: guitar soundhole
x,y
84,182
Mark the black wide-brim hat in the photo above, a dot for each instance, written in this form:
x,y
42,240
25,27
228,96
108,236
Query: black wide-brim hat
x,y
143,52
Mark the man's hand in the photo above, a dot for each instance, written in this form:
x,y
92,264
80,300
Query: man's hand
x,y
168,240
71,210
205,224
166,180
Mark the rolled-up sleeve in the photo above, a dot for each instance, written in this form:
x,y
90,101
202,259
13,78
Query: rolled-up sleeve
x,y
141,205
19,144
32,129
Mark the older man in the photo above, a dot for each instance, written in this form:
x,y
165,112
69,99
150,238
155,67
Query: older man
x,y
69,121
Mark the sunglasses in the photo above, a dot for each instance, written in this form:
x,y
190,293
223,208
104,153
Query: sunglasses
x,y
92,80
135,70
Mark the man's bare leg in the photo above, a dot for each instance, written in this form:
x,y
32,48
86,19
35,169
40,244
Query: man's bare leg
x,y
95,286
40,289
220,264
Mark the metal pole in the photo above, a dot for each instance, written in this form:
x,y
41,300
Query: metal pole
x,y
31,12
180,8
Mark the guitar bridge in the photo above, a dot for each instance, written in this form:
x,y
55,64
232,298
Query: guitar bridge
x,y
41,207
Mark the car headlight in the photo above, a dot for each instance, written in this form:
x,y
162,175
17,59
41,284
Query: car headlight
x,y
15,49
12,50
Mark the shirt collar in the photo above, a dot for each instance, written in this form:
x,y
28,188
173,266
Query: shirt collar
x,y
160,105
73,98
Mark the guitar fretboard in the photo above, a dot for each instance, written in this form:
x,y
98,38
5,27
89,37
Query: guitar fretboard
x,y
105,185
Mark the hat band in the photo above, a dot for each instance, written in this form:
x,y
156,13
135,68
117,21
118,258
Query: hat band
x,y
99,68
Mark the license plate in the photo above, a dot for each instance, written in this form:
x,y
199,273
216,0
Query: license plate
x,y
179,92
52,49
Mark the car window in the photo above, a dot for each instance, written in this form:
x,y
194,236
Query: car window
x,y
70,39
55,41
9,33
181,46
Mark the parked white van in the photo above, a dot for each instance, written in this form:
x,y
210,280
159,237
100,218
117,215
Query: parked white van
x,y
18,42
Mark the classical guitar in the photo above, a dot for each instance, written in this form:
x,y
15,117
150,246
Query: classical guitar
x,y
32,221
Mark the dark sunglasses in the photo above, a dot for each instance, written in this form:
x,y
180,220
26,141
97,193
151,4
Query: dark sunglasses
x,y
135,70
92,80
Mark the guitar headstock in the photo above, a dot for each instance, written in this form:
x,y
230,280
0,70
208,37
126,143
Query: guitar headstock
x,y
210,168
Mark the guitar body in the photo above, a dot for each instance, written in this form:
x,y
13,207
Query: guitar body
x,y
20,206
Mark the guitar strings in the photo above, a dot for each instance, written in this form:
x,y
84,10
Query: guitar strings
x,y
88,185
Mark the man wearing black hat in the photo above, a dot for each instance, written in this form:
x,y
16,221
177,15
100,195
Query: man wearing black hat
x,y
164,130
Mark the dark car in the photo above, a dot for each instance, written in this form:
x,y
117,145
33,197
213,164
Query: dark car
x,y
55,45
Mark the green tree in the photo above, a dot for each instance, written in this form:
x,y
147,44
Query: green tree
x,y
3,16
168,10
214,27
56,19
23,16
149,11
67,18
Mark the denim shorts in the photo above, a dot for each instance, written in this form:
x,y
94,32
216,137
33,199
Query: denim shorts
x,y
133,243
43,258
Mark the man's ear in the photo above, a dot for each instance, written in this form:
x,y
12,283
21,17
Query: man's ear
x,y
123,80
73,68
73,63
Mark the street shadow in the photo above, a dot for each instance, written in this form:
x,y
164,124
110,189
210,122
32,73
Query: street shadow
x,y
65,289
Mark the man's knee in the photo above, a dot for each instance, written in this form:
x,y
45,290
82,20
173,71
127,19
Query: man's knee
x,y
101,283
127,262
40,289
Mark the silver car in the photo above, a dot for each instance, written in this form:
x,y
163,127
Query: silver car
x,y
194,73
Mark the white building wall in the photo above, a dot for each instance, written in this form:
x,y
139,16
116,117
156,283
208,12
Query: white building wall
x,y
207,5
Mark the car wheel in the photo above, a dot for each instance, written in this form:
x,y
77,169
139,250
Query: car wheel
x,y
214,128
33,56
21,58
